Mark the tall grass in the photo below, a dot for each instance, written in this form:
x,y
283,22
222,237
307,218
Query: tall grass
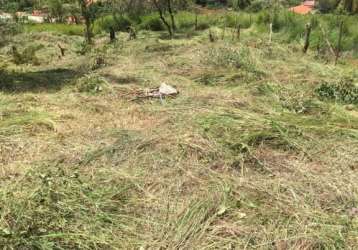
x,y
117,22
291,27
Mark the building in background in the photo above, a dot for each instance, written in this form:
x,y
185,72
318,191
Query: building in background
x,y
305,8
5,16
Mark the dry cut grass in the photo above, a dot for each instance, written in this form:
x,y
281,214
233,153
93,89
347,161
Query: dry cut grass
x,y
248,156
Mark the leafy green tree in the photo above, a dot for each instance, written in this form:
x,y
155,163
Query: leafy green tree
x,y
89,12
56,9
327,5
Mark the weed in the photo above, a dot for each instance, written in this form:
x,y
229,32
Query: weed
x,y
118,23
344,91
231,57
53,205
152,22
92,83
28,55
13,123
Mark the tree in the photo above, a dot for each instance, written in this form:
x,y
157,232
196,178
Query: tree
x,y
170,6
88,19
351,6
327,5
56,9
162,7
7,31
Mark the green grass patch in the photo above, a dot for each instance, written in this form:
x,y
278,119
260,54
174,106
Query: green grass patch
x,y
13,122
59,28
59,207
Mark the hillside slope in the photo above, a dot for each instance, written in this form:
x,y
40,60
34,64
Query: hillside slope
x,y
259,150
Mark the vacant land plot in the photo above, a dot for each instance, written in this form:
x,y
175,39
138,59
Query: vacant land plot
x,y
258,150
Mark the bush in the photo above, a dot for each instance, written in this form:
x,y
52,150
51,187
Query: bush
x,y
231,20
246,20
118,22
258,5
27,56
232,57
185,20
263,18
152,22
345,91
92,83
8,30
279,19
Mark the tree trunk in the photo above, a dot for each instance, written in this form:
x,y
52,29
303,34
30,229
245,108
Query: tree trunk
x,y
161,15
170,10
88,32
112,34
87,18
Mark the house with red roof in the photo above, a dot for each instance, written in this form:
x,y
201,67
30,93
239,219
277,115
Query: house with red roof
x,y
305,8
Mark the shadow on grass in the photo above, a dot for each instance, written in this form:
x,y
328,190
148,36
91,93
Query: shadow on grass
x,y
40,81
180,34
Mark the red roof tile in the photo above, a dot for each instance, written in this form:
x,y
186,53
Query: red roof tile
x,y
302,9
309,3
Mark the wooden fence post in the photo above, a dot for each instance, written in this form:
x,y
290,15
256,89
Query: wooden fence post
x,y
338,50
270,39
196,21
223,33
307,37
238,32
211,36
62,50
112,34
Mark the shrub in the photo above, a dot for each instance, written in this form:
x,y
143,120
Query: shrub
x,y
232,57
152,22
263,18
205,21
185,20
230,20
258,5
27,56
92,83
279,19
345,91
246,20
118,22
8,30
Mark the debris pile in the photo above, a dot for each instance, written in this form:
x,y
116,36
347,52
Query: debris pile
x,y
163,91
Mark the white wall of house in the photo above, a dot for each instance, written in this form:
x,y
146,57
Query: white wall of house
x,y
36,19
5,16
